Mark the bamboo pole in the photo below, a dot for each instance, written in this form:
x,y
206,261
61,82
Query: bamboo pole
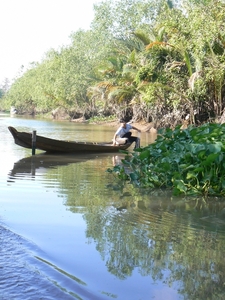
x,y
33,142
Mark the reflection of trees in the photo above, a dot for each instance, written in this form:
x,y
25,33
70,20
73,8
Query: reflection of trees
x,y
175,241
115,240
81,183
170,241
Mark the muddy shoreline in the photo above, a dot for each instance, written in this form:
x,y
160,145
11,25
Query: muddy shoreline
x,y
143,126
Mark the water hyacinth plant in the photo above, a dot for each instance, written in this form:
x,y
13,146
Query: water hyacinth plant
x,y
189,162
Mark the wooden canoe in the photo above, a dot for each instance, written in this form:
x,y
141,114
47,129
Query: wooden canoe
x,y
24,139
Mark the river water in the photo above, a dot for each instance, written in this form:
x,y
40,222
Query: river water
x,y
70,230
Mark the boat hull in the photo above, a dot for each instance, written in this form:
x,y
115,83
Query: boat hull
x,y
24,139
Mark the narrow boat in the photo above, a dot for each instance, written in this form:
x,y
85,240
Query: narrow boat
x,y
25,139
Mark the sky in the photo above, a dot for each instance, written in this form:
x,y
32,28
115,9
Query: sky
x,y
30,28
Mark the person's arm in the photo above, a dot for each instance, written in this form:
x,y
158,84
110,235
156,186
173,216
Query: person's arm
x,y
114,139
117,133
136,129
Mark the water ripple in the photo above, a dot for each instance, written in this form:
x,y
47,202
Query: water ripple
x,y
26,275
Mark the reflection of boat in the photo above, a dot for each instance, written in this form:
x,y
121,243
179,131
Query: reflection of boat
x,y
24,139
41,162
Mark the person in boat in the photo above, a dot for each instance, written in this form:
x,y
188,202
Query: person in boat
x,y
124,132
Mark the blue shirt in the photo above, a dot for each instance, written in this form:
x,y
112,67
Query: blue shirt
x,y
121,130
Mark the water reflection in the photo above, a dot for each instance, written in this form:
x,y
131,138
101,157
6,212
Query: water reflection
x,y
179,242
38,163
143,239
168,240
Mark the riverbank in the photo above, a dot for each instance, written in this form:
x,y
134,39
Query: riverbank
x,y
143,126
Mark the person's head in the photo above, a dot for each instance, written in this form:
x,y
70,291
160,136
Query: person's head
x,y
122,121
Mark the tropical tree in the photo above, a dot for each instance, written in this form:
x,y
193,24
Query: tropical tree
x,y
203,53
117,87
156,61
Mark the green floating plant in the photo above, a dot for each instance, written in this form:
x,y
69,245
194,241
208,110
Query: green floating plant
x,y
190,162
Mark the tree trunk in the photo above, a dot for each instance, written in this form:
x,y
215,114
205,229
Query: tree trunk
x,y
222,119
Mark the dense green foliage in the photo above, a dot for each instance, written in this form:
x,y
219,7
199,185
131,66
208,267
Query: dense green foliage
x,y
190,162
151,60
